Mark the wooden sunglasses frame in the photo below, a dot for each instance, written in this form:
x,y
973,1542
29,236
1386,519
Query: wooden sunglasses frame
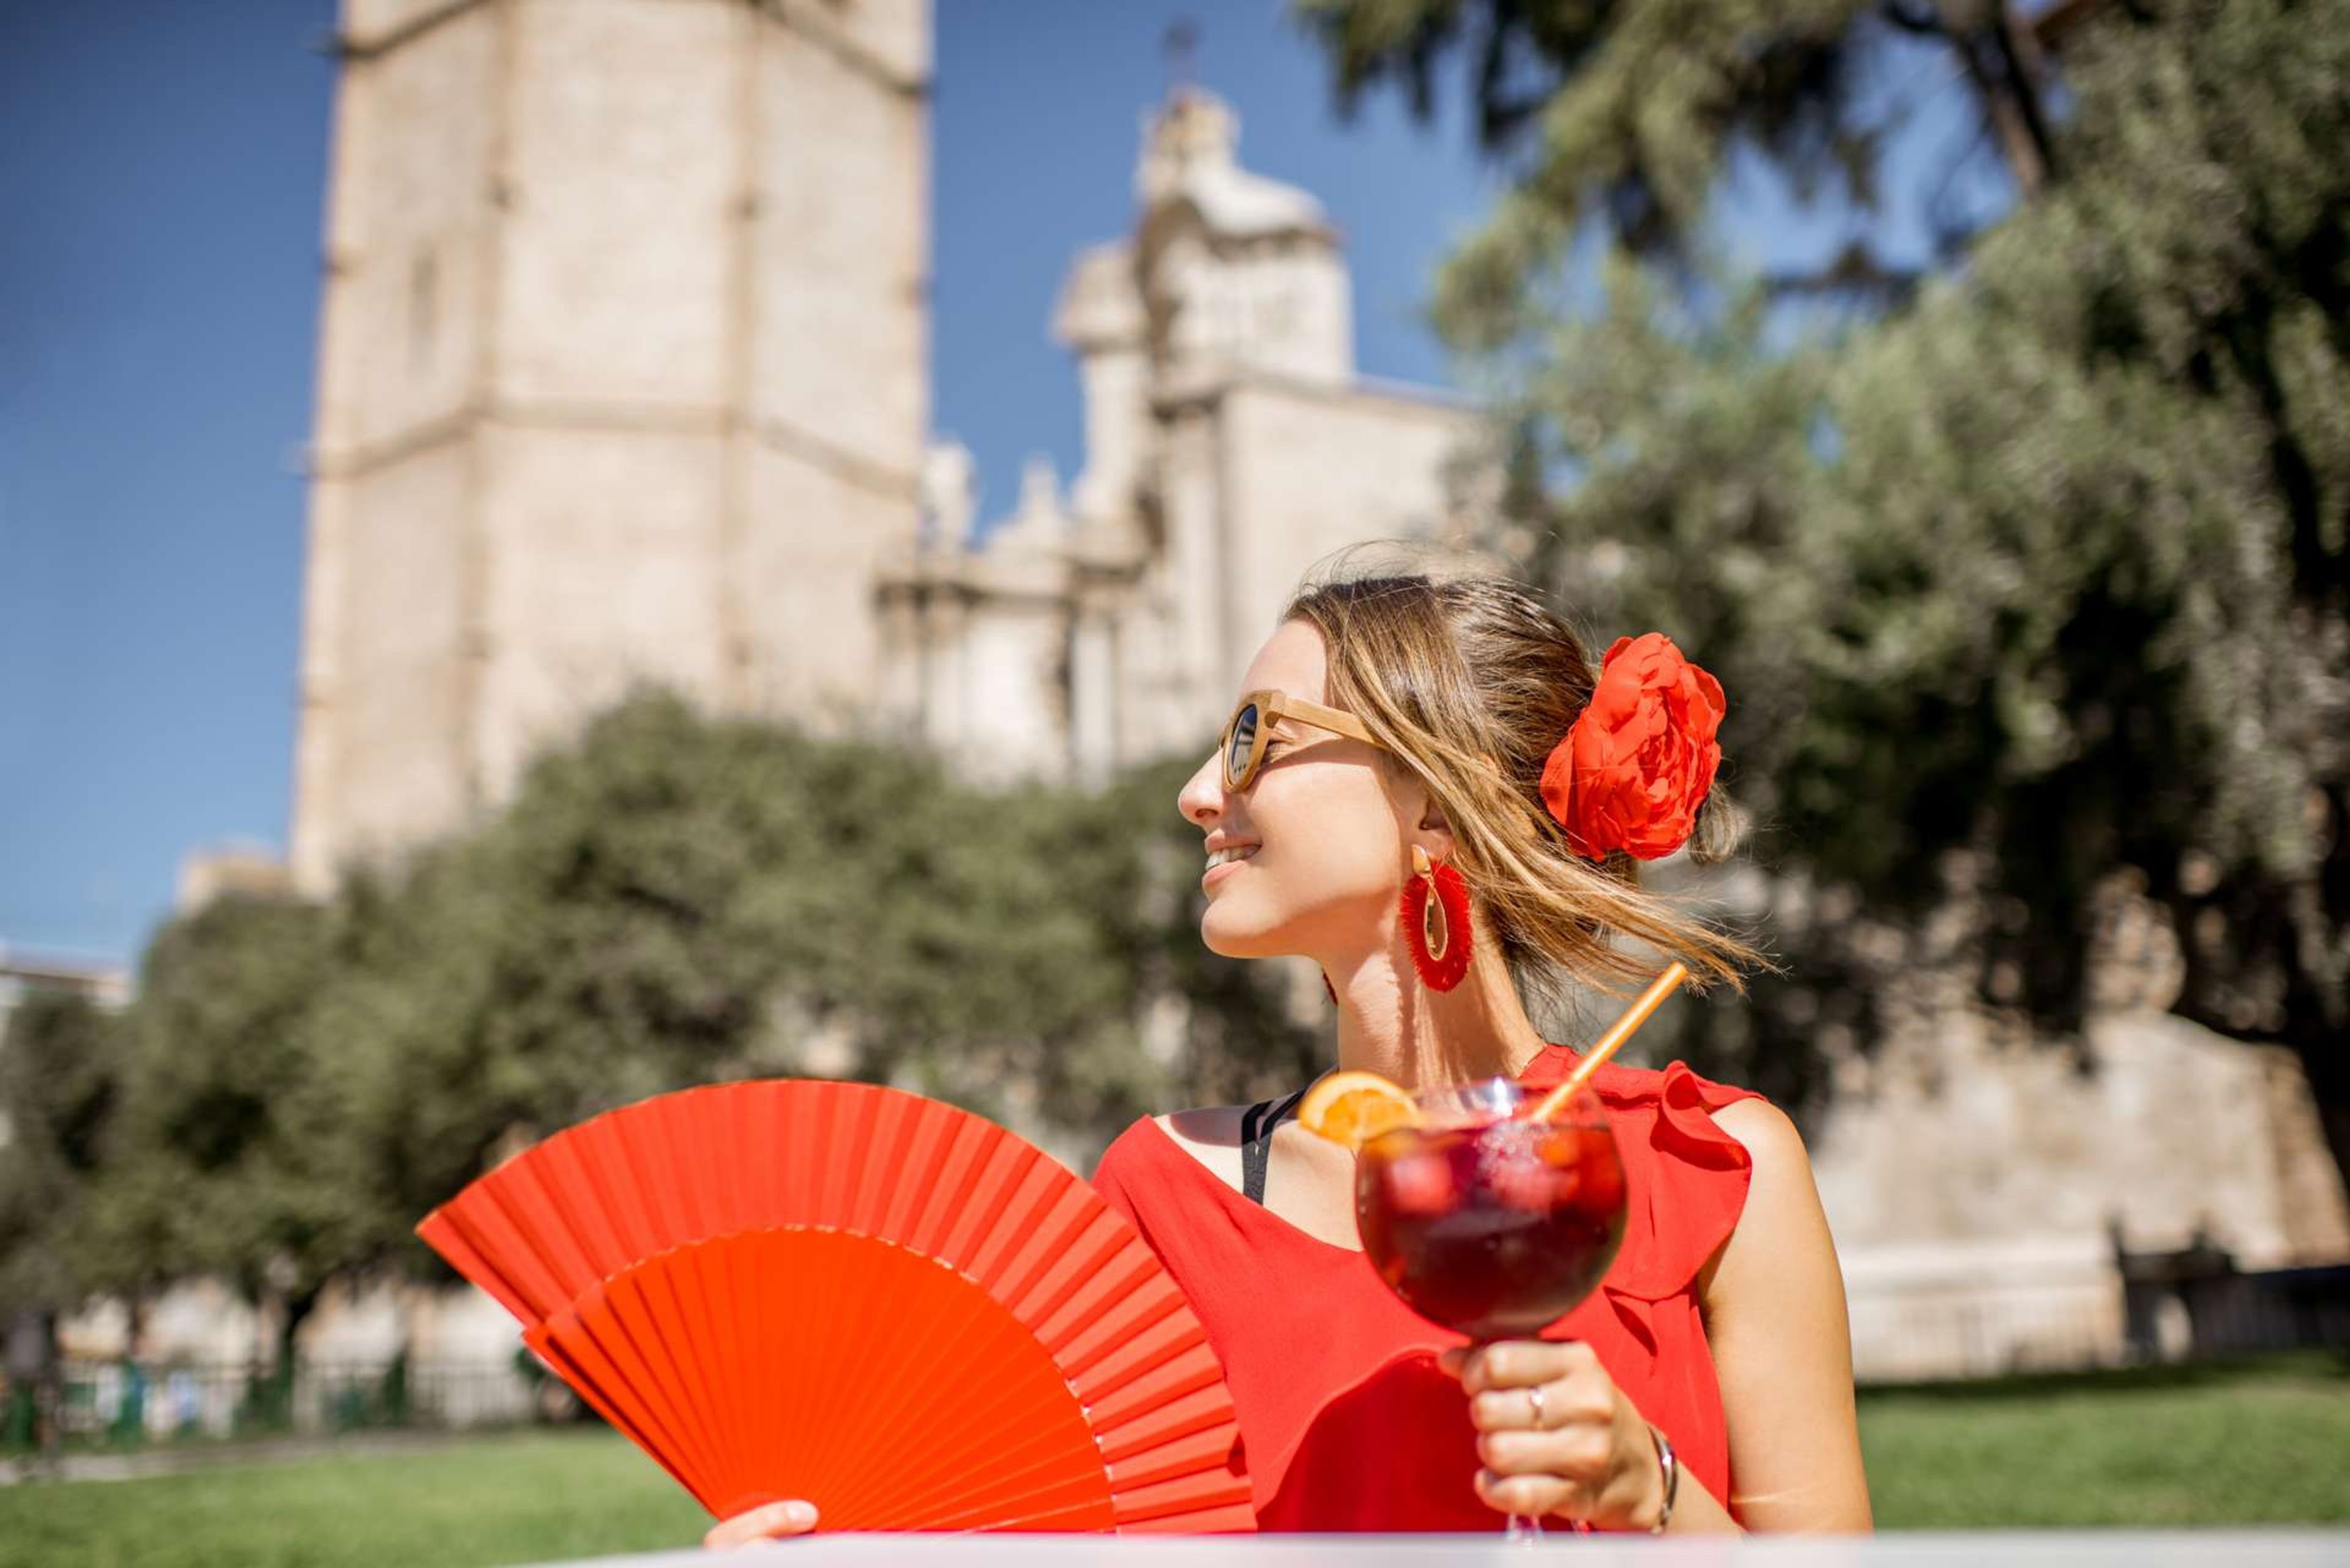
x,y
1274,705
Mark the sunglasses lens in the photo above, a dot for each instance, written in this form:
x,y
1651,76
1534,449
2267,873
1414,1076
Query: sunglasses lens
x,y
1240,743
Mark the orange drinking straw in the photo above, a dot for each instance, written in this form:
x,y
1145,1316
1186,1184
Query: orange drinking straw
x,y
1617,1033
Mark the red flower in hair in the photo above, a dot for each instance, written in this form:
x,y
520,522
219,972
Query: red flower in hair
x,y
1641,757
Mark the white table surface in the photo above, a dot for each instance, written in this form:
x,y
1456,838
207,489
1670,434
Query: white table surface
x,y
2280,1548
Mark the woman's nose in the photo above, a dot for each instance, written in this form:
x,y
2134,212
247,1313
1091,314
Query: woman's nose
x,y
1201,797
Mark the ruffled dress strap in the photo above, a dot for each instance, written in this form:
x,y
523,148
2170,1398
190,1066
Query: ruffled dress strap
x,y
1688,1177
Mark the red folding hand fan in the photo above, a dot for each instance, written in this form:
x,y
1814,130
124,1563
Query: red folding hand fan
x,y
893,1308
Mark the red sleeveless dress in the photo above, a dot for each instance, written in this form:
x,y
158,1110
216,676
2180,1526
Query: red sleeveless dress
x,y
1345,1421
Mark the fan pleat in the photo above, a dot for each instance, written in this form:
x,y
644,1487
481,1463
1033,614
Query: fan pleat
x,y
1143,1296
821,1363
616,1323
720,1292
1147,1349
651,1419
720,1296
1078,1503
930,1152
1170,1379
1185,1455
1173,1497
594,1389
1127,1283
1106,1249
883,1303
945,1395
493,1232
1136,1438
963,1154
446,1237
897,1387
1010,1418
1010,1430
1032,1178
1062,1230
571,1193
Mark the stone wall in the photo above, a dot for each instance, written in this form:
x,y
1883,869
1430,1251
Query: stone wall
x,y
1979,1181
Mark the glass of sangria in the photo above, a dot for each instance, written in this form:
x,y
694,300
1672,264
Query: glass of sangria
x,y
1488,1222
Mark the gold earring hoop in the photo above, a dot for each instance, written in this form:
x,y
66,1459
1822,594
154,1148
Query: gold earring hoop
x,y
1435,936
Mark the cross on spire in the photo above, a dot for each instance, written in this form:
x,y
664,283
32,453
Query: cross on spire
x,y
1180,49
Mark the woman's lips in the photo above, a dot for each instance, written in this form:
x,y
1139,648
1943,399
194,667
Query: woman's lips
x,y
1215,874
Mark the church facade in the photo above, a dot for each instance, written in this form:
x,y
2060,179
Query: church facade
x,y
1229,444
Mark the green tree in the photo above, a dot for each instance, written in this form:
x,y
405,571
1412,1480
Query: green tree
x,y
59,1084
677,899
232,1153
1626,116
2034,588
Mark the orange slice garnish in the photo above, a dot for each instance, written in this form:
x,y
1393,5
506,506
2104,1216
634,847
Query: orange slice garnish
x,y
1354,1106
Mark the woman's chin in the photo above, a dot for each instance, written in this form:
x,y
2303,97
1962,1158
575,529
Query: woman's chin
x,y
1228,934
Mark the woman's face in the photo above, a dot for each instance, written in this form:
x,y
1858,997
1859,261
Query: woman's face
x,y
1326,830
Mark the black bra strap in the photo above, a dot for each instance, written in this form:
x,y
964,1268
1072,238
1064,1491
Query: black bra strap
x,y
1256,1142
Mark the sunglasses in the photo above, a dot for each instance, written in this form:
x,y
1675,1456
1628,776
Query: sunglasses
x,y
1250,725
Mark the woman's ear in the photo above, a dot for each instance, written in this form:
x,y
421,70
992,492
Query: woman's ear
x,y
1434,834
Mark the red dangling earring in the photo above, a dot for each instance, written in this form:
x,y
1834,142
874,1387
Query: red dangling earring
x,y
1438,926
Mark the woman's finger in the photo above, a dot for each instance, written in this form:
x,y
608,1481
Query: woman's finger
x,y
1531,1496
1580,1455
1518,1363
1571,1401
790,1517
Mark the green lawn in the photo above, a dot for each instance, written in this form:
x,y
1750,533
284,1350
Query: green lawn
x,y
521,1498
2253,1443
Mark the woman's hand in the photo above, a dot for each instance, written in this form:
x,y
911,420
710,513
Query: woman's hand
x,y
791,1517
1580,1452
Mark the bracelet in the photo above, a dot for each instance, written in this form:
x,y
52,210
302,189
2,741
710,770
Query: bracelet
x,y
1673,1469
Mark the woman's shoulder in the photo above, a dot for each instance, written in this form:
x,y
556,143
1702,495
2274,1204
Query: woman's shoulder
x,y
1196,1133
1203,1126
1766,1132
1140,1174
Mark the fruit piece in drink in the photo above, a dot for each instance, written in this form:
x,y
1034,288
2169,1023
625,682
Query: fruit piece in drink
x,y
1354,1106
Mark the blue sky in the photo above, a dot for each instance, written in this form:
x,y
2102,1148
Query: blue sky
x,y
163,173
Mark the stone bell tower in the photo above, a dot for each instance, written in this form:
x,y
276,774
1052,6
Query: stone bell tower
x,y
621,377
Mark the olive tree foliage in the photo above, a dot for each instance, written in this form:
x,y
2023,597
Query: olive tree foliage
x,y
1624,115
678,899
60,1085
2031,591
228,1152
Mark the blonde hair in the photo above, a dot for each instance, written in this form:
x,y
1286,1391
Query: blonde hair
x,y
1449,663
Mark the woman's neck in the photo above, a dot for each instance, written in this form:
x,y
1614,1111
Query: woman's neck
x,y
1391,1025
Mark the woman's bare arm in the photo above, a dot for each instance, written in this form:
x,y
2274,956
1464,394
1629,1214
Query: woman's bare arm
x,y
1774,1316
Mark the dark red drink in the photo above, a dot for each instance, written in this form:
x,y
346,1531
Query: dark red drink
x,y
1493,1230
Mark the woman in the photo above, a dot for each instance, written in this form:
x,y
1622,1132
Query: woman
x,y
1706,1385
